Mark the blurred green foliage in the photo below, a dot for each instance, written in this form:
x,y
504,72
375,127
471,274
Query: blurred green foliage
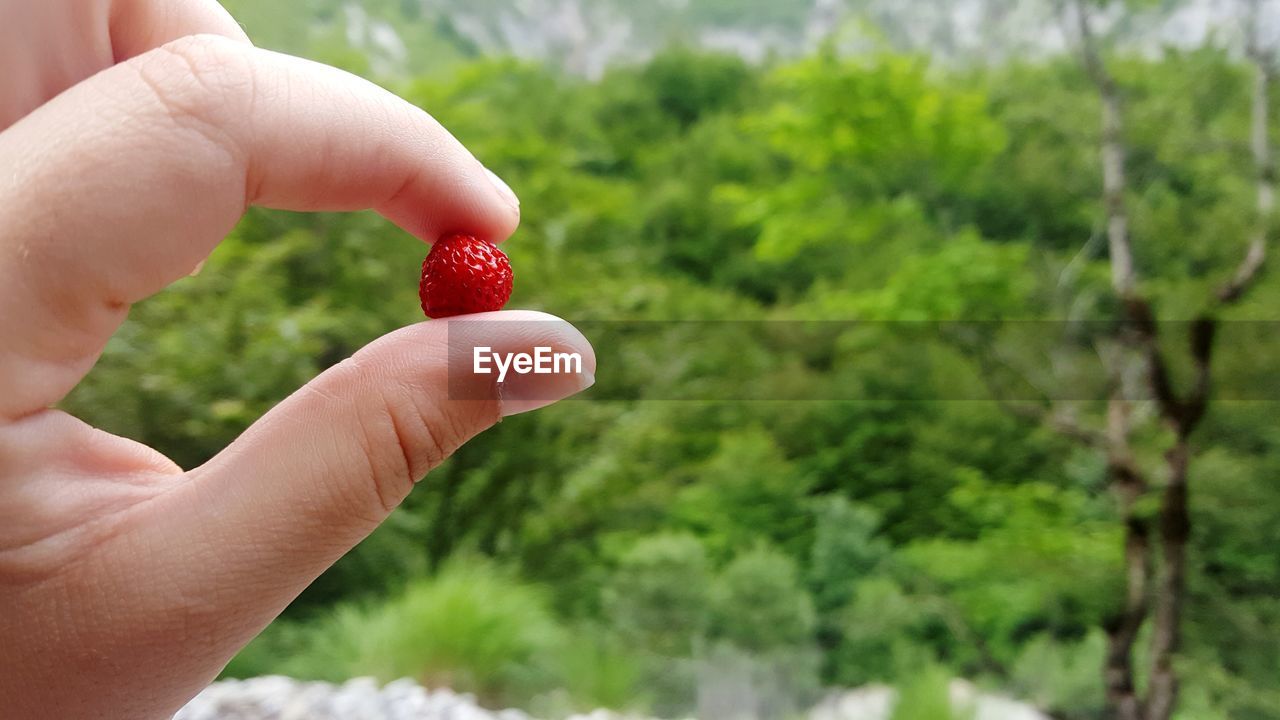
x,y
625,544
471,627
927,696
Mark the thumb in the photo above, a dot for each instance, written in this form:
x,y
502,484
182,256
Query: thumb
x,y
319,472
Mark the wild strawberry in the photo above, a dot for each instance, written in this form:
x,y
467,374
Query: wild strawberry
x,y
464,275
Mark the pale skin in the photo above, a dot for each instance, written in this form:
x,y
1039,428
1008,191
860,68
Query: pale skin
x,y
133,136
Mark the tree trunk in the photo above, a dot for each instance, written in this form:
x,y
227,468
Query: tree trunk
x,y
1114,180
1122,629
1125,478
1175,527
1113,187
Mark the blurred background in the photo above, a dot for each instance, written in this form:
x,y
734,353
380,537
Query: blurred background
x,y
778,161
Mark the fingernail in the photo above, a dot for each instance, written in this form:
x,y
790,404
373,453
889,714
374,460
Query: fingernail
x,y
196,270
525,393
503,189
524,359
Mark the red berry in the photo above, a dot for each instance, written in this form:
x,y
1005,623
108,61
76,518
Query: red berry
x,y
464,275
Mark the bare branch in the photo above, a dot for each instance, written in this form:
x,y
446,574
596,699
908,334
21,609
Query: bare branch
x,y
1055,419
1093,63
992,366
1114,182
1252,30
1254,257
1264,167
1184,416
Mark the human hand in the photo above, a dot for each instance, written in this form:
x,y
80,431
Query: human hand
x,y
134,135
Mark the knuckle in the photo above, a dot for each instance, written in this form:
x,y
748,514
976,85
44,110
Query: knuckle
x,y
411,436
202,82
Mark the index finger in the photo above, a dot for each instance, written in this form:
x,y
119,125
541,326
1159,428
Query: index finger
x,y
46,47
122,184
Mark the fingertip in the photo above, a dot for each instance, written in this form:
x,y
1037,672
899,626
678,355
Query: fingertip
x,y
524,359
504,190
508,198
520,396
467,198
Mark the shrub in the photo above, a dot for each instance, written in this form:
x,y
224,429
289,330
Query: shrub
x,y
927,696
760,605
658,598
593,670
472,628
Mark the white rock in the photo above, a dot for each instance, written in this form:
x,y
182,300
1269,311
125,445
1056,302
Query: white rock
x,y
875,702
282,698
872,702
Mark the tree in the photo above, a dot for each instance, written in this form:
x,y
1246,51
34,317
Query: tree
x,y
1157,590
